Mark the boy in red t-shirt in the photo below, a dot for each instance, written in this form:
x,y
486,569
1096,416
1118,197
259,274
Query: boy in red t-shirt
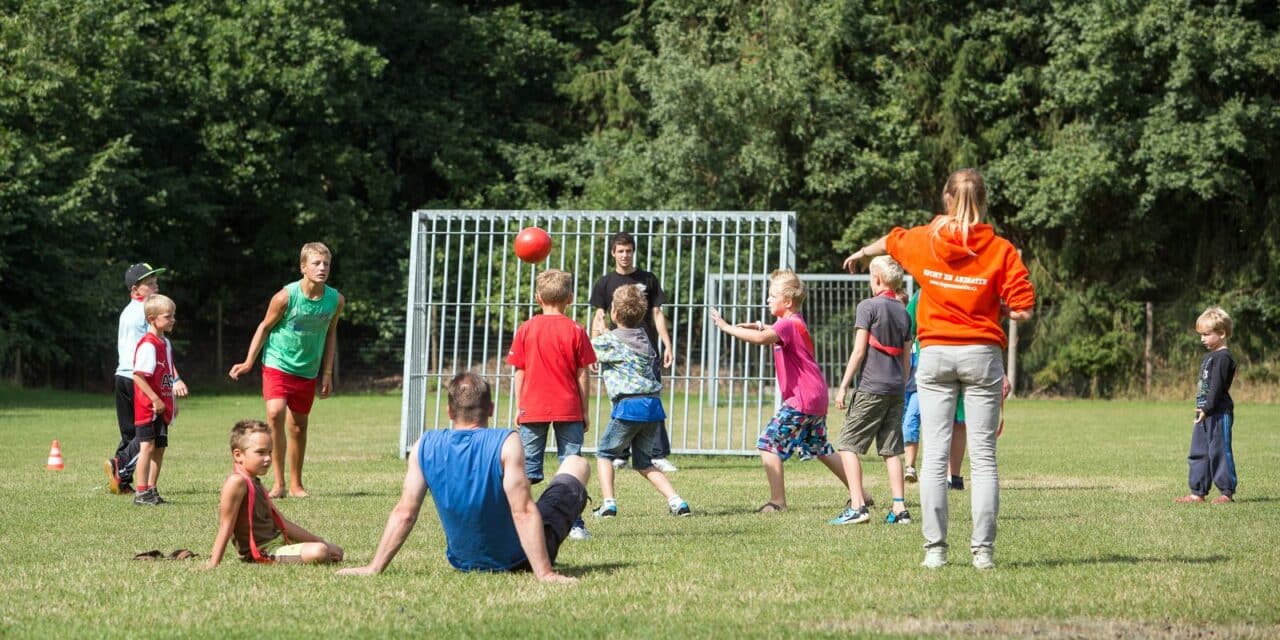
x,y
551,353
153,406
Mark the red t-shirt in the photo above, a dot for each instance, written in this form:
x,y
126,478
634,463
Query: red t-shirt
x,y
153,360
550,349
963,283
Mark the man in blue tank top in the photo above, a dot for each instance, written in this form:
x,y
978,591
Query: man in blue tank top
x,y
477,481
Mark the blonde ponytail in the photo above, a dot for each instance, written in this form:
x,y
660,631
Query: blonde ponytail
x,y
965,197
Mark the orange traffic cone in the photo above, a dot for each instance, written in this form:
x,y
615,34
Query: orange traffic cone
x,y
55,457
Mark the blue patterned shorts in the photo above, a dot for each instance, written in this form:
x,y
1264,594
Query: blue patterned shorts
x,y
790,432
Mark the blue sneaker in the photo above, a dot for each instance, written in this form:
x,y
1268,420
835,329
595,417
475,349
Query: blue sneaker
x,y
609,510
681,509
852,516
898,518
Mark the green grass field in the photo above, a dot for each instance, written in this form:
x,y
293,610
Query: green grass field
x,y
1089,545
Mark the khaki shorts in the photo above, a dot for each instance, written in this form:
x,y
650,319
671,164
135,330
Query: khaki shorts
x,y
872,415
277,550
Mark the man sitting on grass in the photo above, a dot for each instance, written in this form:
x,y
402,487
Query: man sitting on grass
x,y
476,476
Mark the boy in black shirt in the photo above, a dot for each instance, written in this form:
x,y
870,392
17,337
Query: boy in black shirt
x,y
1210,459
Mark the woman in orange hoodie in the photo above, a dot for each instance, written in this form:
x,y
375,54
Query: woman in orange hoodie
x,y
970,278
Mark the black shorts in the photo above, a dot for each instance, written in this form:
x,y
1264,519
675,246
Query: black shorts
x,y
560,506
157,430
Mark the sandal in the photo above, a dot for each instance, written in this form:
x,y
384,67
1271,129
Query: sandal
x,y
154,554
771,507
183,554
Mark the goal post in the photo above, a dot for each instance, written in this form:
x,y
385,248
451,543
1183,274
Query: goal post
x,y
468,293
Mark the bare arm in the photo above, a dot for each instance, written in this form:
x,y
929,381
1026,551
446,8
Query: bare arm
x,y
233,493
517,386
664,336
275,311
401,521
157,403
860,341
330,344
761,335
525,513
854,263
598,325
584,390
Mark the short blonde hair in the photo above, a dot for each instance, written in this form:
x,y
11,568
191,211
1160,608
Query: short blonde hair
x,y
1213,319
317,248
555,286
789,286
629,305
889,272
157,304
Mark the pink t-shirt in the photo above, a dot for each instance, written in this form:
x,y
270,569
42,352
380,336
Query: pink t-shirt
x,y
799,378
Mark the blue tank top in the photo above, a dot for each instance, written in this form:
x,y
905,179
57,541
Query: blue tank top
x,y
463,470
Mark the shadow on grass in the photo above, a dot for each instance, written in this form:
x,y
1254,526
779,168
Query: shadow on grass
x,y
578,571
1057,487
1118,559
1259,499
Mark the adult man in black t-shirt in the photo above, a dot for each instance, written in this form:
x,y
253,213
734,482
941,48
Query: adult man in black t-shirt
x,y
622,246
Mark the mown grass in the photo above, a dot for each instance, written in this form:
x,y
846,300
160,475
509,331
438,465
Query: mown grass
x,y
1089,544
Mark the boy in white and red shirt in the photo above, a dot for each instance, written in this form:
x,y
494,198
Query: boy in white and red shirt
x,y
551,354
153,405
801,422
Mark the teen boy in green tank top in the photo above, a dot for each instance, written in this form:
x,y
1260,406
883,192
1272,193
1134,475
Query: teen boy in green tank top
x,y
299,333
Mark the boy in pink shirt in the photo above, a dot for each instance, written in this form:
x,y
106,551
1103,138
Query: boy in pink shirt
x,y
801,422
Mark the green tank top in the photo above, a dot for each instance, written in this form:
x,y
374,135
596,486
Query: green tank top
x,y
296,344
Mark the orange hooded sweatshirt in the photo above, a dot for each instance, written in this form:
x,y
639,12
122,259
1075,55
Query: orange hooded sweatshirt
x,y
962,287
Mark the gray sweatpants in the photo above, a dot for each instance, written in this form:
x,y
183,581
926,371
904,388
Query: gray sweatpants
x,y
945,375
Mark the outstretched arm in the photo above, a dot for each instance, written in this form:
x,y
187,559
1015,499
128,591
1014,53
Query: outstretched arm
x,y
525,513
401,521
753,332
233,492
854,263
275,311
330,344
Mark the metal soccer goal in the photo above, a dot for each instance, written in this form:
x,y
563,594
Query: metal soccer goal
x,y
468,293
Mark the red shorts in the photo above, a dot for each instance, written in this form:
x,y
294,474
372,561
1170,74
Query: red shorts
x,y
299,393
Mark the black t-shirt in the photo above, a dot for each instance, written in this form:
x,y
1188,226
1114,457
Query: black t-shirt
x,y
602,297
1213,393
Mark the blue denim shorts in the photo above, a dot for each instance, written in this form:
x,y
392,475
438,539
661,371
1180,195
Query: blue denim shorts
x,y
638,436
569,437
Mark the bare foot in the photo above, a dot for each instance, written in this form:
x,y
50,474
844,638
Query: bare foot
x,y
299,493
276,492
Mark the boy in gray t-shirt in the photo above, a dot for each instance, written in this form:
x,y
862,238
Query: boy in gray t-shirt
x,y
882,356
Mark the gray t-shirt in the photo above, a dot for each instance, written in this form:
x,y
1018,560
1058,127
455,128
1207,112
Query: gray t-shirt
x,y
887,321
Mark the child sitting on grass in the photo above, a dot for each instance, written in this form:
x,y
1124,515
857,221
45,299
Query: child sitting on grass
x,y
626,360
246,513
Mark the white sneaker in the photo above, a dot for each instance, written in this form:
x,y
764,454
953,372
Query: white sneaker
x,y
909,474
664,465
579,533
619,463
984,558
934,558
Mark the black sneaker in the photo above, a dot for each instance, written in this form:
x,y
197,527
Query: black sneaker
x,y
148,498
957,483
159,498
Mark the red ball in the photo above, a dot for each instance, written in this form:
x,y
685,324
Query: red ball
x,y
532,245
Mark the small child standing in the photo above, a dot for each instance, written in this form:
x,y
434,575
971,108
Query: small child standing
x,y
246,514
800,425
627,357
882,373
551,354
1211,460
153,405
